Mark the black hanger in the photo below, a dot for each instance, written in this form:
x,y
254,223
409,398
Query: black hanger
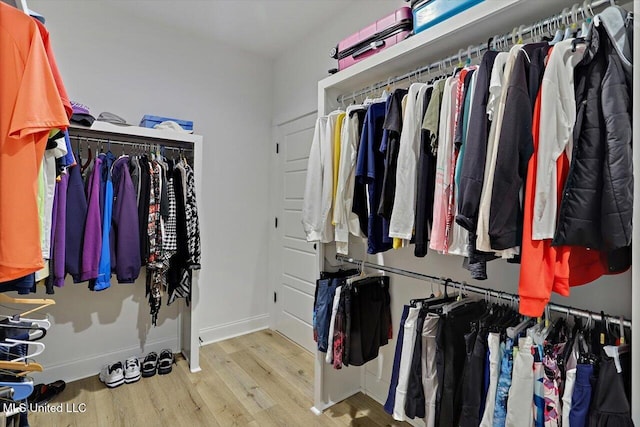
x,y
4,327
574,43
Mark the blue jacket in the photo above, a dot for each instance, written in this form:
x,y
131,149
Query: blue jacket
x,y
104,267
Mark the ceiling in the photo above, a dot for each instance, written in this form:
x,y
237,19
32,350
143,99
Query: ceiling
x,y
264,27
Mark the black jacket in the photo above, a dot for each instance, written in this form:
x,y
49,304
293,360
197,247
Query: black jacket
x,y
596,208
472,174
516,142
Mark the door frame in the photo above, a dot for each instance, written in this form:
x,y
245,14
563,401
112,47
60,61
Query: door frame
x,y
276,168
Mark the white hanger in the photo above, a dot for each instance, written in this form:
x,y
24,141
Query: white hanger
x,y
514,331
567,27
559,34
494,42
520,37
360,276
42,323
10,342
460,301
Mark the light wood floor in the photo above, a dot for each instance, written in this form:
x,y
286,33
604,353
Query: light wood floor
x,y
260,379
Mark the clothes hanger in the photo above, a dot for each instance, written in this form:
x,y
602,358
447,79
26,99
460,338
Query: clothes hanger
x,y
574,20
10,342
520,36
514,331
567,26
21,390
360,276
84,166
32,337
588,15
23,367
514,35
461,300
559,34
42,323
468,60
30,301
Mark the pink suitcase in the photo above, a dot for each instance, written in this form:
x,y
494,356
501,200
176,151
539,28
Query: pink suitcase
x,y
375,38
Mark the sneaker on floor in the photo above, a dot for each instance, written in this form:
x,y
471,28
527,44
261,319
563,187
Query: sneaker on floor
x,y
112,375
150,365
132,370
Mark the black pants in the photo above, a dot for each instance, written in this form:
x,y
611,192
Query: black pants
x,y
450,359
415,400
472,378
610,404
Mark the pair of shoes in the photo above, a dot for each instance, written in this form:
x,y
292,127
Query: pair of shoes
x,y
150,364
112,375
116,374
162,364
132,370
43,393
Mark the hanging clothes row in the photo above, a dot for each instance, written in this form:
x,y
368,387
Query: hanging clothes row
x,y
506,159
351,317
469,363
137,211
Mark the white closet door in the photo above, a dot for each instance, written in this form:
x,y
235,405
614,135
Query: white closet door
x,y
293,259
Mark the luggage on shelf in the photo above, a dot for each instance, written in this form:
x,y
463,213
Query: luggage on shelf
x,y
374,38
427,13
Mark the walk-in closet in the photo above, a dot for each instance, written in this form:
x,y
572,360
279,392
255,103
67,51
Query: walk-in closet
x,y
319,212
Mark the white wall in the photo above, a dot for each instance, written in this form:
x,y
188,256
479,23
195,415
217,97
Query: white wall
x,y
298,70
119,63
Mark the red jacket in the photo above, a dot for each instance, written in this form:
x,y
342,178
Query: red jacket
x,y
545,268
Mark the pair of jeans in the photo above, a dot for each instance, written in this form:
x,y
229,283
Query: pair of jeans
x,y
322,314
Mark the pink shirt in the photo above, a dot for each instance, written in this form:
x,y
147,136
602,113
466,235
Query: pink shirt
x,y
444,185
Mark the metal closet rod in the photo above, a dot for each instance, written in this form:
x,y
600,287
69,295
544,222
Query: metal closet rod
x,y
132,144
483,291
446,63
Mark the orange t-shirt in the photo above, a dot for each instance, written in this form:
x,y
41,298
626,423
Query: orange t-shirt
x,y
545,268
44,33
30,106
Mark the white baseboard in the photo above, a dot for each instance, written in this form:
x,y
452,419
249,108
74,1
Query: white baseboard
x,y
77,369
234,329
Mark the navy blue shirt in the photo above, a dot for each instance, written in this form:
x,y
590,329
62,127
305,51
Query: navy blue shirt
x,y
370,172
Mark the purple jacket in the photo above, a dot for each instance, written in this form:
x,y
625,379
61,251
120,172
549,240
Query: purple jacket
x,y
125,235
76,219
92,244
